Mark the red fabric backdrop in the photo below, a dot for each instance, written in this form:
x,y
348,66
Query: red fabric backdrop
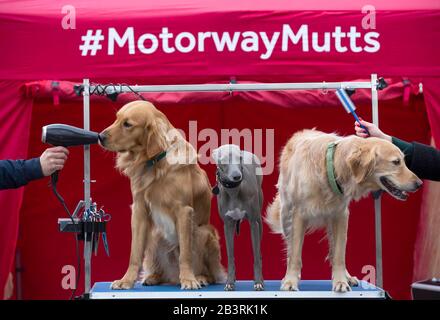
x,y
45,251
15,117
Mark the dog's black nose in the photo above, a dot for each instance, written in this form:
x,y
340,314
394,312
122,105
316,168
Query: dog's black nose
x,y
102,137
236,176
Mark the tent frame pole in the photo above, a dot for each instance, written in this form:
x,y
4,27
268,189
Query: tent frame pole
x,y
230,87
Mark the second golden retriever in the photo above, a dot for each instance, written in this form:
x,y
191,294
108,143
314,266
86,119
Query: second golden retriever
x,y
171,201
306,199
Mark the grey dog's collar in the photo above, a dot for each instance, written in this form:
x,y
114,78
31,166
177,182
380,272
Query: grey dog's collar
x,y
225,183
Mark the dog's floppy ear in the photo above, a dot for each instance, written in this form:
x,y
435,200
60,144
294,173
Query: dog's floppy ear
x,y
155,141
362,162
216,155
245,159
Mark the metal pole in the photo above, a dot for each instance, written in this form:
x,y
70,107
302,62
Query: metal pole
x,y
87,244
86,114
228,87
377,196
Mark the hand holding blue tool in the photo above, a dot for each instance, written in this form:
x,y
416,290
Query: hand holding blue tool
x,y
349,106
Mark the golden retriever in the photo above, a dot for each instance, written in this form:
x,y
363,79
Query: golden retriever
x,y
171,201
305,199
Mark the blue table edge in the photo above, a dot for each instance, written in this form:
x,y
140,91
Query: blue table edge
x,y
244,289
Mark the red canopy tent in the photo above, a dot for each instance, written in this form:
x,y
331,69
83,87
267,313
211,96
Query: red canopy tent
x,y
171,42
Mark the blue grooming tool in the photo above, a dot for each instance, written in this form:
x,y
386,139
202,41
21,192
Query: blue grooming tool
x,y
349,106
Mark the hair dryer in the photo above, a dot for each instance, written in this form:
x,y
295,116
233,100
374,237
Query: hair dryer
x,y
67,136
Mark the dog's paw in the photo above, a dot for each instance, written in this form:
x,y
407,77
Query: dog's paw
x,y
289,284
152,280
230,286
258,286
353,281
203,280
189,284
220,276
341,286
122,284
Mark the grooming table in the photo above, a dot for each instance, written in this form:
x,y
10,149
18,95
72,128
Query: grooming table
x,y
315,289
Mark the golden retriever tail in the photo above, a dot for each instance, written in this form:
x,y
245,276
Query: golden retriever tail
x,y
273,215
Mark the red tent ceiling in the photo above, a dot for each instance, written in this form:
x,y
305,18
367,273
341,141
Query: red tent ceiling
x,y
50,7
35,45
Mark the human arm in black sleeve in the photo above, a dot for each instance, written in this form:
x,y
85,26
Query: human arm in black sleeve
x,y
17,173
421,159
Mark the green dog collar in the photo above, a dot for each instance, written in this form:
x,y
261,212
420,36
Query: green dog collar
x,y
156,159
331,169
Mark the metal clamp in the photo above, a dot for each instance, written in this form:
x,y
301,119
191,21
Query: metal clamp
x,y
381,84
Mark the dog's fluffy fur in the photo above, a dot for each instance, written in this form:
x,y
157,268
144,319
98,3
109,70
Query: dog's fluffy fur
x,y
171,202
305,199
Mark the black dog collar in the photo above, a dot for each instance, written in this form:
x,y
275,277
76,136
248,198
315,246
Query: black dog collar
x,y
225,183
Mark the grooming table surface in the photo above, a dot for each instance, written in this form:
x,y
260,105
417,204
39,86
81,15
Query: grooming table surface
x,y
318,289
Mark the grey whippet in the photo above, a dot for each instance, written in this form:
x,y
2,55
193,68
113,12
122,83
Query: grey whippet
x,y
239,196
